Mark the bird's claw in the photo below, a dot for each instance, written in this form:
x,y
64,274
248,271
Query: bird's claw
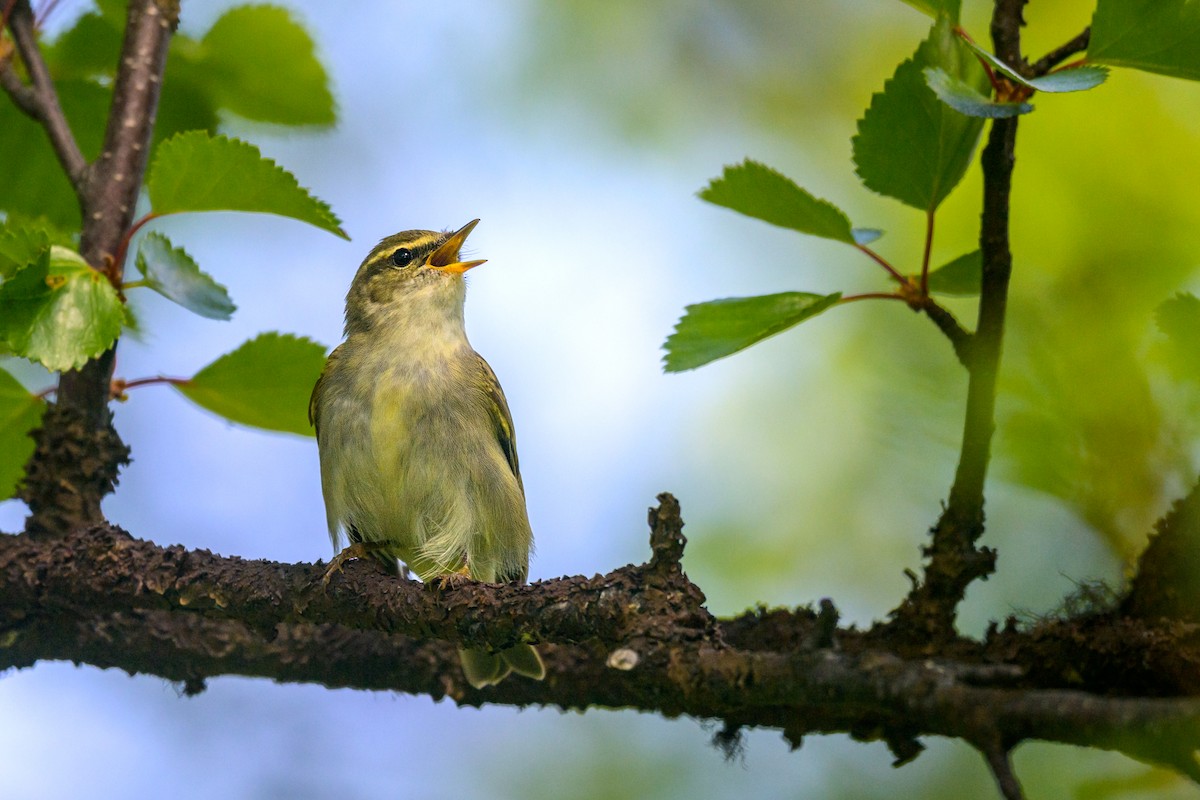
x,y
451,580
356,550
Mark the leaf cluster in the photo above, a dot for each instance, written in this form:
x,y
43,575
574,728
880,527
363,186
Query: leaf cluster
x,y
59,311
914,143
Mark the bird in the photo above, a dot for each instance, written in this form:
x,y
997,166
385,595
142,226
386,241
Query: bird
x,y
417,449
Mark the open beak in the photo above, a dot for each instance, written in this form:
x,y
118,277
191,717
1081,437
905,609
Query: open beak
x,y
445,258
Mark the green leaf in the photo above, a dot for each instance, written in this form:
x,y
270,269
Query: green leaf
x,y
194,171
20,413
758,191
88,49
910,145
171,272
59,312
189,104
935,8
1072,79
1160,36
713,330
20,247
1179,319
15,220
967,100
265,383
263,66
962,276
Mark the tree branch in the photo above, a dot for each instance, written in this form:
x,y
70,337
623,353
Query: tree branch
x,y
1061,53
953,559
638,637
960,338
40,100
115,179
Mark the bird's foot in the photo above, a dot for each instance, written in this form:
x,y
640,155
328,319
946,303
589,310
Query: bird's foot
x,y
451,580
356,550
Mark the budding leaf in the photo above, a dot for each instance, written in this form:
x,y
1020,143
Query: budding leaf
x,y
1070,79
968,100
265,383
713,330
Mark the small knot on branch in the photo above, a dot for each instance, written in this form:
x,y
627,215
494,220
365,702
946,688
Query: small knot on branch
x,y
825,626
905,747
666,535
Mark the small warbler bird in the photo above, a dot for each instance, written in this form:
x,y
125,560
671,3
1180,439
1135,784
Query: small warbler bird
x,y
418,458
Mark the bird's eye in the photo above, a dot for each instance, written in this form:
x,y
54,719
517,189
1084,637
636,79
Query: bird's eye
x,y
402,257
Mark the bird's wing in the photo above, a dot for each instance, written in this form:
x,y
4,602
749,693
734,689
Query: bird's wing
x,y
314,399
502,422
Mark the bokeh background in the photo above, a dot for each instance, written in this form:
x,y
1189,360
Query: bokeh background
x,y
809,466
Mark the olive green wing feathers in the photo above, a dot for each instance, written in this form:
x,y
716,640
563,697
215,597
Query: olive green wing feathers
x,y
502,423
315,399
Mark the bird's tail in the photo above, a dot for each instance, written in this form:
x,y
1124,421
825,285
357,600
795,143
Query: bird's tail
x,y
487,669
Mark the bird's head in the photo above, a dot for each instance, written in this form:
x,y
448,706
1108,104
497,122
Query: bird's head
x,y
409,275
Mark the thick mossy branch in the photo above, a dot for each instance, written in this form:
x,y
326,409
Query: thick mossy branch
x,y
73,466
638,637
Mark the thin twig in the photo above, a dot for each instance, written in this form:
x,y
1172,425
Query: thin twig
x,y
853,298
120,386
41,99
22,96
8,7
929,217
1061,53
45,12
117,264
883,262
960,338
